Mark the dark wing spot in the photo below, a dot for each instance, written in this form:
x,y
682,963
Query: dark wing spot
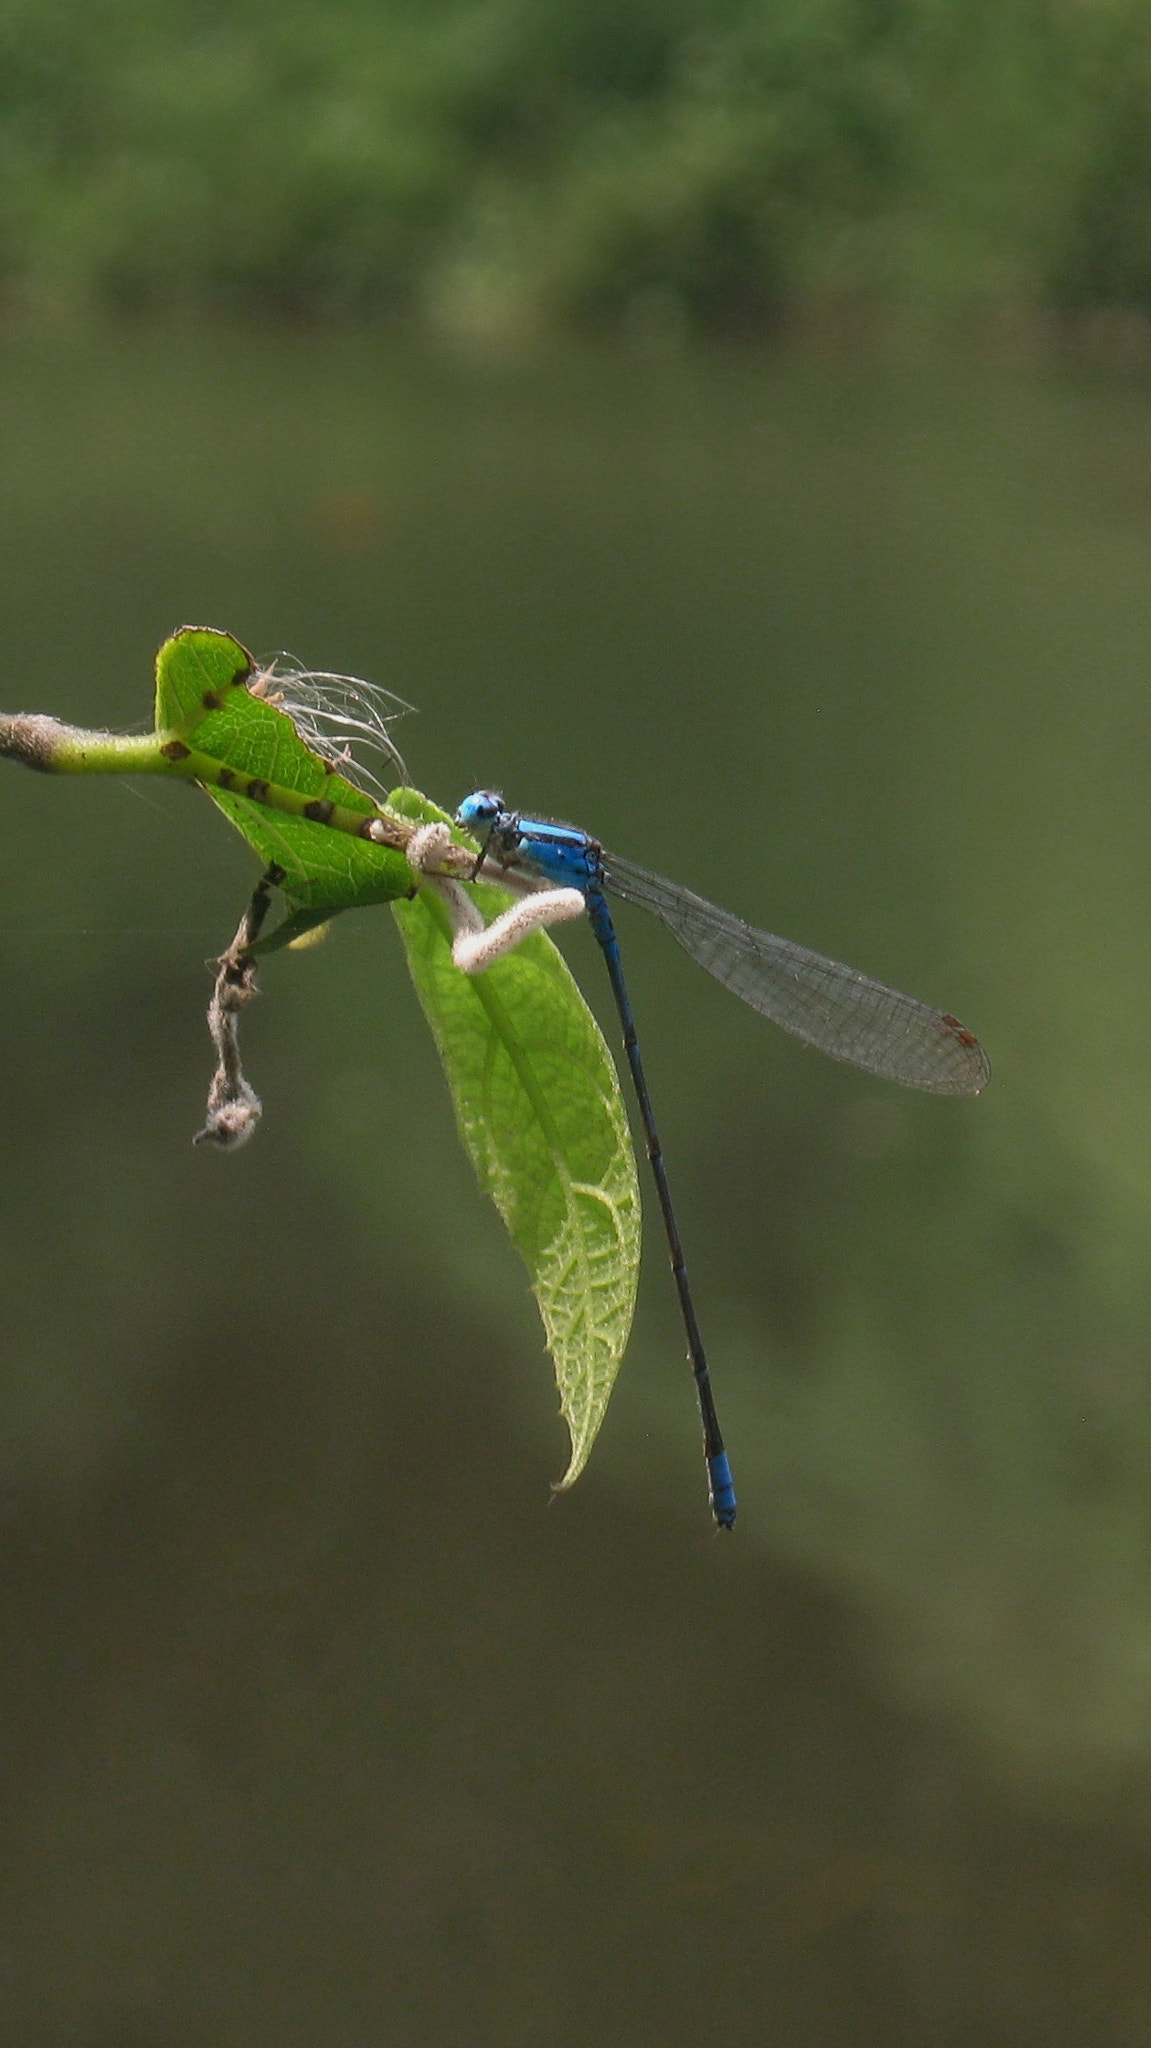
x,y
960,1033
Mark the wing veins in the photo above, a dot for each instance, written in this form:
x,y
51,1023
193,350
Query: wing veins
x,y
819,1000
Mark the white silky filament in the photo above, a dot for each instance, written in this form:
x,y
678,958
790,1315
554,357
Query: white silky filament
x,y
341,718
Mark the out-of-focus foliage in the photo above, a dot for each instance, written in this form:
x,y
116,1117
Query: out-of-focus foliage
x,y
497,164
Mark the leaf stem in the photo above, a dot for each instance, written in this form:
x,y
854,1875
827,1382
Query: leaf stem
x,y
54,748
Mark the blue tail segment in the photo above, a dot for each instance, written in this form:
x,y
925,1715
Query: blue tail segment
x,y
722,1490
567,857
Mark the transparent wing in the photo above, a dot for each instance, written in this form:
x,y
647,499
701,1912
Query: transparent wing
x,y
819,1000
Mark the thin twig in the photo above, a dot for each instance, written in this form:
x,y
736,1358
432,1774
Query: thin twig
x,y
234,1108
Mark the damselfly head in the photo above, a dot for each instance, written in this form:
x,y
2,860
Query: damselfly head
x,y
344,720
480,810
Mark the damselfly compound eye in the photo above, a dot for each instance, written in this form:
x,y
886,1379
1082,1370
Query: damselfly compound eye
x,y
482,808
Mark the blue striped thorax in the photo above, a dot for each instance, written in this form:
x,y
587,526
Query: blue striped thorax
x,y
560,853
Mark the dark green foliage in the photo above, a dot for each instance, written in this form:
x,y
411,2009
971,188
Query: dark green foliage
x,y
1107,254
527,161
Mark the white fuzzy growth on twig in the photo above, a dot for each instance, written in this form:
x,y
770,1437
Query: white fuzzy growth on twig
x,y
474,944
473,951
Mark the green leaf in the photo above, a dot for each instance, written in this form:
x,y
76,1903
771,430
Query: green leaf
x,y
535,1090
538,1104
196,663
205,704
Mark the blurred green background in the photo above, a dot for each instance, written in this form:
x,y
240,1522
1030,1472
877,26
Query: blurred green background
x,y
731,427
493,166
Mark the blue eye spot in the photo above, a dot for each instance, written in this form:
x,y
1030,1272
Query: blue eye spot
x,y
483,807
